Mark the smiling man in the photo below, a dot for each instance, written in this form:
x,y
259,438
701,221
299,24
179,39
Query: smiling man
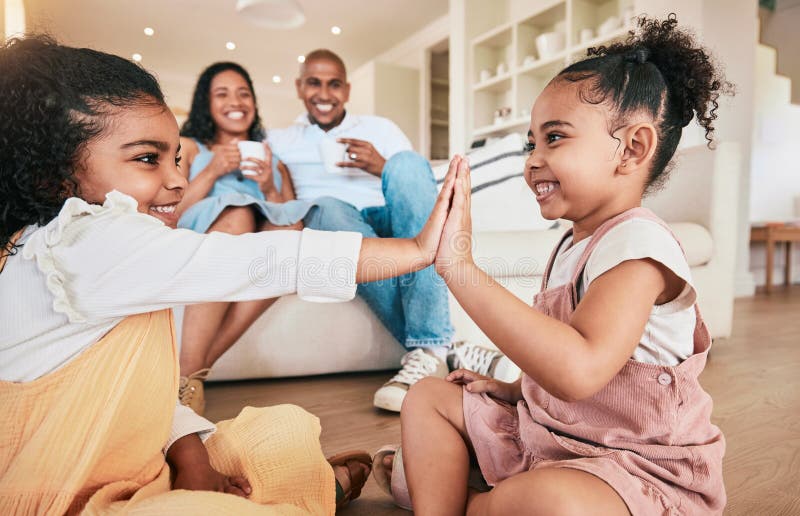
x,y
384,189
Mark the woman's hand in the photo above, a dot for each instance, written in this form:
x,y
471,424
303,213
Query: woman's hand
x,y
455,248
428,239
477,383
226,159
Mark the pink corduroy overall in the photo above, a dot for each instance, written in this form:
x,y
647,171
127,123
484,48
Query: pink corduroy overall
x,y
647,433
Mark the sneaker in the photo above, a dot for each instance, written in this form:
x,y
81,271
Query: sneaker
x,y
417,365
485,361
190,391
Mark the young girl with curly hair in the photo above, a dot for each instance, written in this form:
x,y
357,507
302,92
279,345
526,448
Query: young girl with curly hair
x,y
609,416
222,196
90,268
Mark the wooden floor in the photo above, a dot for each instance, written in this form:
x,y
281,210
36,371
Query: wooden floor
x,y
754,378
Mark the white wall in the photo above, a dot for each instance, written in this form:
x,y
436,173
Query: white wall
x,y
779,29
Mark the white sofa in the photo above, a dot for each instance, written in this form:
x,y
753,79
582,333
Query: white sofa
x,y
295,338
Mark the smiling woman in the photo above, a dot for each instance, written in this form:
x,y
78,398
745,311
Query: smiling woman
x,y
236,185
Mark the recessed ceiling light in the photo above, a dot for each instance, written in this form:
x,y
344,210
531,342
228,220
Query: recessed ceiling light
x,y
148,31
230,45
276,79
336,30
137,57
301,59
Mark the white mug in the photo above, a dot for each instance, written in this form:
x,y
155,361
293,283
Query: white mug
x,y
586,35
332,152
501,68
250,149
485,75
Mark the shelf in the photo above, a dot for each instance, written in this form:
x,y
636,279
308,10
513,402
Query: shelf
x,y
601,40
441,83
497,37
495,84
541,64
439,123
498,128
548,14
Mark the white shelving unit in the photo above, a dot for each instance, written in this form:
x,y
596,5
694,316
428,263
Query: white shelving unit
x,y
504,68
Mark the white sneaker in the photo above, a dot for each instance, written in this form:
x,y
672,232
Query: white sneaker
x,y
417,365
485,361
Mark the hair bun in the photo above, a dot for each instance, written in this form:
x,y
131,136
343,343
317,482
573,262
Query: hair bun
x,y
638,55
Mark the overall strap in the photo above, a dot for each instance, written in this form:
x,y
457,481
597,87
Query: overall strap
x,y
551,261
5,253
605,227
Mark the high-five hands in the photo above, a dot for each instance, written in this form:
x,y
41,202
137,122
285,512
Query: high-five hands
x,y
455,246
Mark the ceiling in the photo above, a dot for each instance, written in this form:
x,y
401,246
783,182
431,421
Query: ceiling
x,y
191,34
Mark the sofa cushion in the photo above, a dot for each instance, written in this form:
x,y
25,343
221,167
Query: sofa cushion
x,y
696,242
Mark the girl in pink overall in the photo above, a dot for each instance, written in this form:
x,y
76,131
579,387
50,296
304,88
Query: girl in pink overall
x,y
609,416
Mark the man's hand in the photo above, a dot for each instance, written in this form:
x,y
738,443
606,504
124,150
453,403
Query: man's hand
x,y
189,460
362,155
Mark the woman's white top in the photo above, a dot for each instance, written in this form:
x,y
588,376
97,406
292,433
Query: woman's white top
x,y
668,336
76,278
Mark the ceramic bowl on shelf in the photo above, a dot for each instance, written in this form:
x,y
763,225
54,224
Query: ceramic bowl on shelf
x,y
528,60
550,44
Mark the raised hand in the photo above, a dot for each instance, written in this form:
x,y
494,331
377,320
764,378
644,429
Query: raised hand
x,y
362,155
429,238
455,248
477,383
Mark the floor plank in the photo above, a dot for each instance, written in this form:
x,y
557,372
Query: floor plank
x,y
753,378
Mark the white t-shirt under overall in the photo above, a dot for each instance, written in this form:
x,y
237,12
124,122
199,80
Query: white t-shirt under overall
x,y
668,336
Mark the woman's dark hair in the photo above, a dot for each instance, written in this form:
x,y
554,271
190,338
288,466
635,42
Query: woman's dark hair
x,y
200,125
661,71
54,100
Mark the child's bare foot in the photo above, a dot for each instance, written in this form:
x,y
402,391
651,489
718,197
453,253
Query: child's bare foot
x,y
383,470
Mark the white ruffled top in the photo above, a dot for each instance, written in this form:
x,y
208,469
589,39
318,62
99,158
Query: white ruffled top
x,y
80,275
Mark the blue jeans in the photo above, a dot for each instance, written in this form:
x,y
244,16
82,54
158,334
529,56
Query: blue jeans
x,y
413,307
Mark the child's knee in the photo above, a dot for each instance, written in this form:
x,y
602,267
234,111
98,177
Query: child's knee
x,y
428,394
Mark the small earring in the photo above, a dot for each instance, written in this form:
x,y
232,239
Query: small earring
x,y
624,163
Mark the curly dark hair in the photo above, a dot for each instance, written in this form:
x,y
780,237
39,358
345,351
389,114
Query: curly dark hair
x,y
55,99
200,125
658,69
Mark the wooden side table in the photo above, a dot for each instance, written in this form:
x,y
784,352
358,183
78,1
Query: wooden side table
x,y
771,234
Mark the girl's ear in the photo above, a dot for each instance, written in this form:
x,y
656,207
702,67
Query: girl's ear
x,y
640,146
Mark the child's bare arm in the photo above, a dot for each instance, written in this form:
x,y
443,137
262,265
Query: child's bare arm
x,y
383,258
571,361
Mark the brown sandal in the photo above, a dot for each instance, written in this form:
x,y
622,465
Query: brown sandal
x,y
357,475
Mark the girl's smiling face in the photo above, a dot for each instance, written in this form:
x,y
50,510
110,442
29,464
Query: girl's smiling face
x,y
138,154
573,159
231,104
